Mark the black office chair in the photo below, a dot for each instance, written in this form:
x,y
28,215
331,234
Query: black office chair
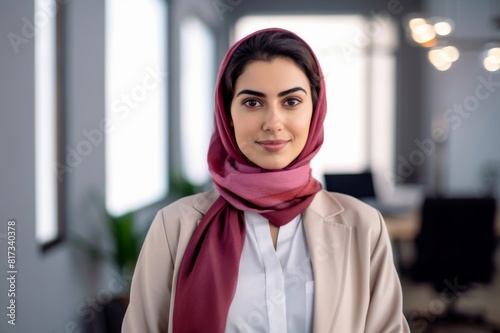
x,y
359,185
455,248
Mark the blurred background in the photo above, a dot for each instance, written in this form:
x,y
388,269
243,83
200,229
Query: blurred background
x,y
106,114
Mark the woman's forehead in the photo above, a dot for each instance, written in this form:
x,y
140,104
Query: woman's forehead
x,y
277,74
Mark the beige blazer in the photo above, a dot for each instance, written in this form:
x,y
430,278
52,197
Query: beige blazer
x,y
356,287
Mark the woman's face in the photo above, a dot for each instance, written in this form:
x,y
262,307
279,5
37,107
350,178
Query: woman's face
x,y
271,112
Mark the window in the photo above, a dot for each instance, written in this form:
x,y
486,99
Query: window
x,y
197,101
358,63
48,124
136,122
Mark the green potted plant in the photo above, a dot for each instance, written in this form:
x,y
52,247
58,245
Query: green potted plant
x,y
127,243
123,256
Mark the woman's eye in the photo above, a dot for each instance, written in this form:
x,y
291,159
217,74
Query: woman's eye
x,y
251,103
292,102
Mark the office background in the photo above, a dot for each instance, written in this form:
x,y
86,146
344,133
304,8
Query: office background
x,y
445,133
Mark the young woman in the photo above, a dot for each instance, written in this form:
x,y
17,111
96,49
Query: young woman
x,y
268,250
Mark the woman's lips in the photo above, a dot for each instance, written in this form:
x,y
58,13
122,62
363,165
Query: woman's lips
x,y
273,145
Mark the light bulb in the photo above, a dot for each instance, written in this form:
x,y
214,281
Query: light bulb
x,y
451,52
490,64
423,33
415,22
444,67
437,57
494,52
443,28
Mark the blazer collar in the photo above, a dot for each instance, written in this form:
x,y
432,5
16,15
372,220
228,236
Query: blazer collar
x,y
323,205
329,243
205,201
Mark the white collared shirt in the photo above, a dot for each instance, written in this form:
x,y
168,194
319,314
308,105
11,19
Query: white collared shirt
x,y
274,293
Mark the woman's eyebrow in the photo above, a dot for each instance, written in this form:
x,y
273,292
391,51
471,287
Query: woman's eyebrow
x,y
281,94
289,91
251,92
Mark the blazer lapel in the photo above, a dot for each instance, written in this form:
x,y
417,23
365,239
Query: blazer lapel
x,y
328,243
205,201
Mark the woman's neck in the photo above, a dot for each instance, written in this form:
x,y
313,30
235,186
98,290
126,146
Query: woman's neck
x,y
274,234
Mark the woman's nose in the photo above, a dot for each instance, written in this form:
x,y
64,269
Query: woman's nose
x,y
273,121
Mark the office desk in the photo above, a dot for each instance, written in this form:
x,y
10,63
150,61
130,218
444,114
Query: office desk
x,y
406,227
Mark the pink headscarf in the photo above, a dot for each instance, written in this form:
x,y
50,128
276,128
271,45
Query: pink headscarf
x,y
209,270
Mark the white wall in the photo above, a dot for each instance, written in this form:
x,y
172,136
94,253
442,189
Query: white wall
x,y
51,286
473,134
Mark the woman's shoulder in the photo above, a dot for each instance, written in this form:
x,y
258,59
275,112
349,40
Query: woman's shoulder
x,y
195,204
179,219
358,215
346,202
350,210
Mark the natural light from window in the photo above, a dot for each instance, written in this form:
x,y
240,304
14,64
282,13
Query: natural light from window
x,y
197,82
46,127
136,81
